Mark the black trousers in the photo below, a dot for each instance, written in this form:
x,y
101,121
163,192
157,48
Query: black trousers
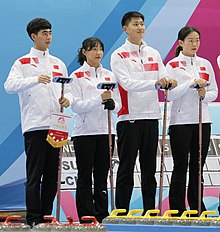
x,y
41,171
134,136
184,140
92,158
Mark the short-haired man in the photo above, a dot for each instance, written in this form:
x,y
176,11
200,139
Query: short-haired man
x,y
30,77
139,70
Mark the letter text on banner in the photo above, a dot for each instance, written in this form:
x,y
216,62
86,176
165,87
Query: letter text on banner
x,y
59,128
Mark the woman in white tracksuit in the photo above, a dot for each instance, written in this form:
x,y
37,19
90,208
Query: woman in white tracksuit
x,y
189,69
90,134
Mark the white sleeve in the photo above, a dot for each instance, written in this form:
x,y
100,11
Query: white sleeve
x,y
212,89
16,82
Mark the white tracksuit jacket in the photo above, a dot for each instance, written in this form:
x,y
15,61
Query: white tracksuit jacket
x,y
37,100
185,100
136,70
90,118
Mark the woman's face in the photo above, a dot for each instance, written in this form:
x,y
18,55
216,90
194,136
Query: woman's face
x,y
190,44
94,56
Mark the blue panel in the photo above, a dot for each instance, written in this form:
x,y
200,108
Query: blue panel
x,y
14,199
150,9
110,30
11,148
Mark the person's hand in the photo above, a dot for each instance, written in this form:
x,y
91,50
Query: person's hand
x,y
109,104
64,102
162,83
200,82
106,95
171,83
44,79
201,92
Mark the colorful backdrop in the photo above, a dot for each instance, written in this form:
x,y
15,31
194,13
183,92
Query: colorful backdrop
x,y
73,21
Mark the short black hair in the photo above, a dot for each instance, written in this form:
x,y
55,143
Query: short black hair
x,y
88,44
132,14
35,25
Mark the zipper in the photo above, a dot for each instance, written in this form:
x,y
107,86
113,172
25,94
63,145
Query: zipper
x,y
142,66
180,104
195,68
139,54
84,117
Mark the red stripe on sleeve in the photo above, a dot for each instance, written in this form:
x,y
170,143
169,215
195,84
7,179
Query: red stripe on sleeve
x,y
202,68
120,55
174,64
79,74
25,60
88,73
183,63
204,76
134,53
125,54
57,74
35,59
124,101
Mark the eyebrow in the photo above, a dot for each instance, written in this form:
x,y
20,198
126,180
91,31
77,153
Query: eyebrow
x,y
47,31
194,38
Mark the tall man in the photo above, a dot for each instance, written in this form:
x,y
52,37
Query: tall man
x,y
139,70
30,77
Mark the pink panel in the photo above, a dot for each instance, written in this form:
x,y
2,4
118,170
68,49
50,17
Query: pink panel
x,y
206,19
68,204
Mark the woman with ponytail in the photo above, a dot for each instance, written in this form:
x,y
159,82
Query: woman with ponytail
x,y
189,70
90,133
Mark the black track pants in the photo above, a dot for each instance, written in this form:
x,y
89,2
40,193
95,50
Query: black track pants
x,y
184,140
134,136
41,168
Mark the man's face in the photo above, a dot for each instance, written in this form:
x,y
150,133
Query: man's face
x,y
135,30
42,39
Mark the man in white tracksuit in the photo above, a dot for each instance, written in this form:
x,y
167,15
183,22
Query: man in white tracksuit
x,y
30,77
138,69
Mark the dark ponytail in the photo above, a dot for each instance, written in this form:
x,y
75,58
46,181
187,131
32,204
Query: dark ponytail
x,y
81,56
87,45
178,49
182,35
